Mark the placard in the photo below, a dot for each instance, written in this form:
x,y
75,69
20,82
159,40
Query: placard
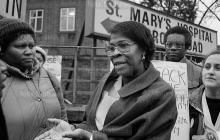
x,y
176,75
53,65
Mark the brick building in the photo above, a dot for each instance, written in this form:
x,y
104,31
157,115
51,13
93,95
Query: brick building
x,y
59,26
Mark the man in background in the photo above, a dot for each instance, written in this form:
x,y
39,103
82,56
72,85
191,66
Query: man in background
x,y
177,40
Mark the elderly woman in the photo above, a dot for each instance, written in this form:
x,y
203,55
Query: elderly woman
x,y
30,96
131,102
205,101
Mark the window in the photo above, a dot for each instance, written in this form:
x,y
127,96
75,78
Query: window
x,y
67,19
36,20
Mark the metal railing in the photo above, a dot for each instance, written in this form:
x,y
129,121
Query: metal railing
x,y
83,67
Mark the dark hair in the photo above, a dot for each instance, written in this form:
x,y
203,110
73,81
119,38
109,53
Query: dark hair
x,y
180,30
211,53
138,33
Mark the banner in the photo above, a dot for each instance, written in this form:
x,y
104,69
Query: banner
x,y
102,15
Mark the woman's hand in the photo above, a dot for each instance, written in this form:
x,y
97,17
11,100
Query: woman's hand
x,y
56,132
78,134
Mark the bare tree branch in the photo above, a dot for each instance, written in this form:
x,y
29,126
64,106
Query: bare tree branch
x,y
183,9
208,9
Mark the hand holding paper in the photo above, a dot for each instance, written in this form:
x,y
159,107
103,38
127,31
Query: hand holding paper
x,y
56,132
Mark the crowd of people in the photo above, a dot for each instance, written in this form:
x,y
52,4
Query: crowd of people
x,y
131,102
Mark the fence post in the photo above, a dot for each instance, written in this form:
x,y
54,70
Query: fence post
x,y
75,71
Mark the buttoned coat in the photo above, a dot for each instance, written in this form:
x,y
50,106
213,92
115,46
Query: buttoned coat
x,y
28,101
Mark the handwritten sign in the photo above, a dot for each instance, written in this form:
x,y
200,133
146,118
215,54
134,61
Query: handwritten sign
x,y
176,75
53,65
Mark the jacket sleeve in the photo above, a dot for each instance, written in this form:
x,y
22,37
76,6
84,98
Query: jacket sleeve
x,y
59,92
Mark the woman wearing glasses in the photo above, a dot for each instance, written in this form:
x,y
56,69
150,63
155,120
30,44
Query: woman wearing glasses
x,y
131,102
205,101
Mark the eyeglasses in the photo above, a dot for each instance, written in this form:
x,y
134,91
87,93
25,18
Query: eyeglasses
x,y
178,46
122,47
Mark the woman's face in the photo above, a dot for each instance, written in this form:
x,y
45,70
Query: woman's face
x,y
129,63
20,52
40,58
211,71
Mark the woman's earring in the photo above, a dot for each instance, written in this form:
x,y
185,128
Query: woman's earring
x,y
143,57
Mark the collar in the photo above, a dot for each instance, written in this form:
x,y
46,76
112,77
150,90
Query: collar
x,y
207,116
183,60
142,81
195,98
28,74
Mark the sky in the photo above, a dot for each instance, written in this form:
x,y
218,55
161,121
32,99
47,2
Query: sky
x,y
212,23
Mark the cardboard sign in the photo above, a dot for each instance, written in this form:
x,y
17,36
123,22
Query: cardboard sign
x,y
101,15
176,75
53,65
